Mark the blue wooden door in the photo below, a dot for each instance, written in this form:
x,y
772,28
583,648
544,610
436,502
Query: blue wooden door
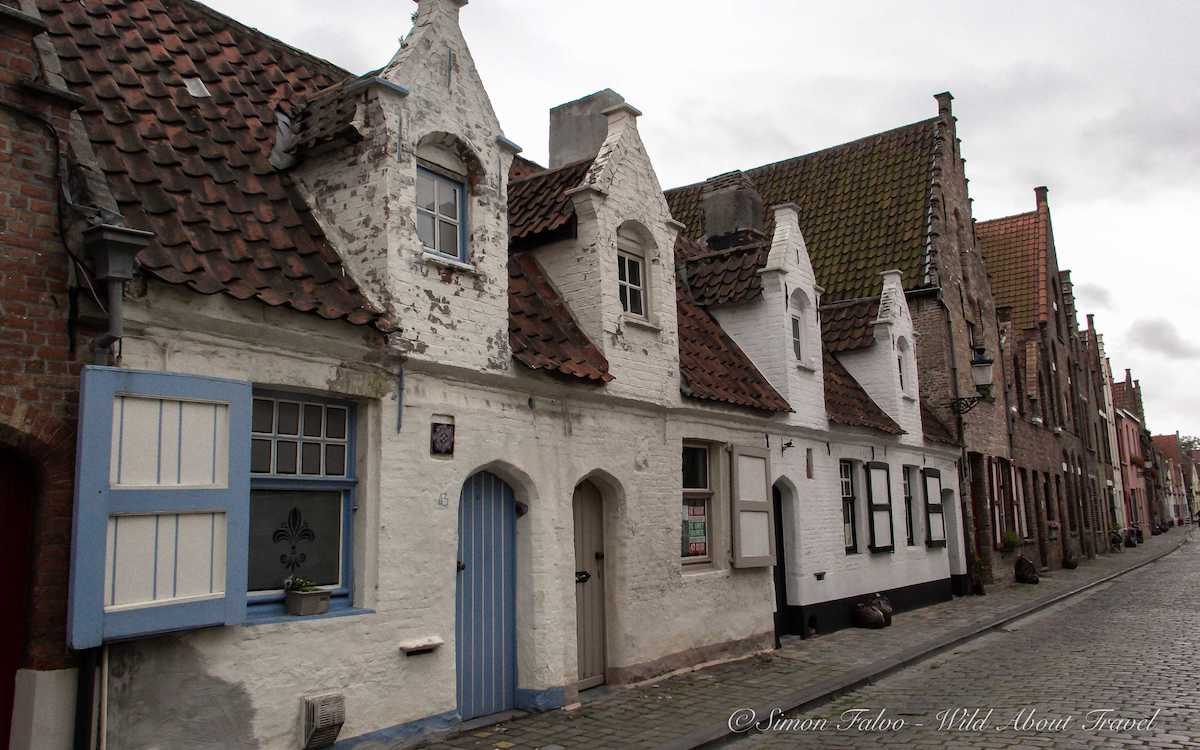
x,y
485,602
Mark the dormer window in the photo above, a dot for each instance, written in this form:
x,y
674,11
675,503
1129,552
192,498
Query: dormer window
x,y
634,251
630,284
907,367
441,213
799,313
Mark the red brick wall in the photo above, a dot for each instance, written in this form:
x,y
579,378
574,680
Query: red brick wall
x,y
39,373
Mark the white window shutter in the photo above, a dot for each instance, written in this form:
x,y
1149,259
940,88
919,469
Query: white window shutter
x,y
753,515
879,499
162,489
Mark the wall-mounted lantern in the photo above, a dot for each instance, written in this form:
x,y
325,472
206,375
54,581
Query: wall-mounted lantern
x,y
981,373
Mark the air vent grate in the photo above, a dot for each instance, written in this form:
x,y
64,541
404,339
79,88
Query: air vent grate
x,y
324,716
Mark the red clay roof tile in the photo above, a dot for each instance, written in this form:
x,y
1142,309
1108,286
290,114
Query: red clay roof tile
x,y
195,171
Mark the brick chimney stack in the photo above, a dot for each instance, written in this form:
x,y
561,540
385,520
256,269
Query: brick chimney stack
x,y
1041,192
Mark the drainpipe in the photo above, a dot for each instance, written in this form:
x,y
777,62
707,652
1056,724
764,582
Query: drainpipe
x,y
112,250
970,553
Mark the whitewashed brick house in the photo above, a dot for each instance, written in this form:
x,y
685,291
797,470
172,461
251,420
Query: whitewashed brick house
x,y
527,437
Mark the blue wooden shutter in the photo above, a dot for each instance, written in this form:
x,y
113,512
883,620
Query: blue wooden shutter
x,y
162,488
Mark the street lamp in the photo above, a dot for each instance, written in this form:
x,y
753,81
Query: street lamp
x,y
981,373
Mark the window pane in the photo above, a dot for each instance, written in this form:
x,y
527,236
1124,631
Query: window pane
x,y
425,229
621,275
635,301
425,189
635,272
448,238
335,423
312,420
289,418
624,295
310,458
695,528
335,460
264,415
285,462
695,467
260,456
448,200
294,533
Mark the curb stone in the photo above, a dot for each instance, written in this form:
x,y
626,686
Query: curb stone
x,y
826,690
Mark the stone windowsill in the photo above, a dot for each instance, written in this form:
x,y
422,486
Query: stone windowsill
x,y
441,260
639,322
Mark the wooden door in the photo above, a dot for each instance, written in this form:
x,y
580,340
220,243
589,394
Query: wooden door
x,y
589,584
16,531
780,568
485,600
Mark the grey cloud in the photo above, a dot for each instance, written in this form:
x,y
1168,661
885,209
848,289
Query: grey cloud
x,y
1159,335
1096,295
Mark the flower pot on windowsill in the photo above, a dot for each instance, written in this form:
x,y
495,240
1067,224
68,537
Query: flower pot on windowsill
x,y
307,603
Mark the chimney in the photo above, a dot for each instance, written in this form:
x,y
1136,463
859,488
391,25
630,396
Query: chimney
x,y
578,128
1040,193
1128,376
733,210
943,102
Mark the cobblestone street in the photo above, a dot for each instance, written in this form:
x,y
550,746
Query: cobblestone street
x,y
1129,645
1150,625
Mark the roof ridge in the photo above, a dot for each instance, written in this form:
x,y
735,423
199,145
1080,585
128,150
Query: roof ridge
x,y
217,15
808,154
546,172
1021,215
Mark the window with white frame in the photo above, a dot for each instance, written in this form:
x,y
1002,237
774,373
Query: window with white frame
x,y
631,283
910,521
696,537
849,509
906,364
302,496
442,212
799,312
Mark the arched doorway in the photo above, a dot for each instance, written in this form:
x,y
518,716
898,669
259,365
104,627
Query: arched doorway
x,y
485,656
590,618
781,498
17,495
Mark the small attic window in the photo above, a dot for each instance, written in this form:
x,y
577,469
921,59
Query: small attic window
x,y
196,88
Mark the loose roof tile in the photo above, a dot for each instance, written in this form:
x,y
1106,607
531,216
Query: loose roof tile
x,y
194,169
863,207
542,332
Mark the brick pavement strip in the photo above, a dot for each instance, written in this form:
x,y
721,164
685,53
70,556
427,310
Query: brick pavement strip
x,y
692,708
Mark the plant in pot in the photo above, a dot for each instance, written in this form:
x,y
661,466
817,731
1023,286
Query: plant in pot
x,y
1011,543
303,597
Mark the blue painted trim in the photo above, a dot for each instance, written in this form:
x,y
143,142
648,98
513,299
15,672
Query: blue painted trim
x,y
541,700
363,83
88,625
506,143
409,730
255,619
264,608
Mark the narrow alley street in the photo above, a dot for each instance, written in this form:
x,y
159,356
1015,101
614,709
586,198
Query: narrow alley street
x,y
1128,646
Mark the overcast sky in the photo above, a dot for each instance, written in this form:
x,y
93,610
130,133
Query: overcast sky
x,y
1098,100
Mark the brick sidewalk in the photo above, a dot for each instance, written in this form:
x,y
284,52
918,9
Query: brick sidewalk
x,y
690,708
